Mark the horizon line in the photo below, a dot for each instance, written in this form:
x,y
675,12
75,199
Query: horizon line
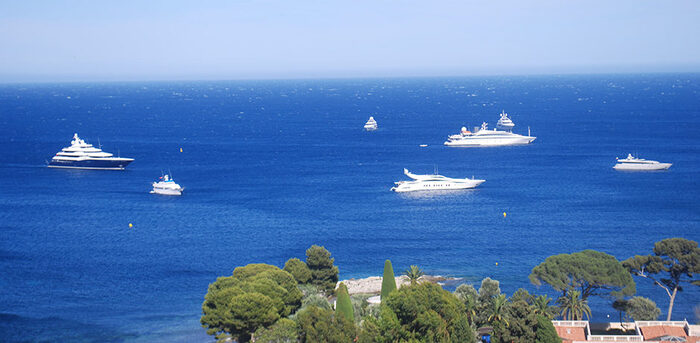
x,y
60,80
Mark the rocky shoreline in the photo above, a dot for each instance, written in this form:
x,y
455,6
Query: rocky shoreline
x,y
373,284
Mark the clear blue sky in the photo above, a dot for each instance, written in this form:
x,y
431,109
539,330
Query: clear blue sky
x,y
158,40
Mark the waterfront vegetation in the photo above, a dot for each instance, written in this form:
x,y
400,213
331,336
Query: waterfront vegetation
x,y
301,303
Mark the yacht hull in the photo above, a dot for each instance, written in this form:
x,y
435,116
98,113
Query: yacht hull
x,y
412,186
489,142
167,191
642,167
98,164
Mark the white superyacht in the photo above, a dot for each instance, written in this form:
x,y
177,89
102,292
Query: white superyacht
x,y
483,137
167,186
433,183
632,163
371,124
81,155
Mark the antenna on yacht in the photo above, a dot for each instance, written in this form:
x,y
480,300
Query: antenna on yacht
x,y
435,169
528,131
99,145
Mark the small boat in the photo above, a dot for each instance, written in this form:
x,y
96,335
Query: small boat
x,y
371,124
433,183
166,186
639,164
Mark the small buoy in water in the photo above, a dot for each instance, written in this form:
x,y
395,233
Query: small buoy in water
x,y
423,145
504,214
131,225
496,263
180,149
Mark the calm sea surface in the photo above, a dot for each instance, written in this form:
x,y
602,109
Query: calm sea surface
x,y
272,167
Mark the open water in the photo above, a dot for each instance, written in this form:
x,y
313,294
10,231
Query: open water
x,y
272,167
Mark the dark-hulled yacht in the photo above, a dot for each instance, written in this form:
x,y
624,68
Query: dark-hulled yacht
x,y
81,155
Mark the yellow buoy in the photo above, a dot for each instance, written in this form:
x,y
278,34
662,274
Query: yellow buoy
x,y
504,214
180,149
496,263
131,225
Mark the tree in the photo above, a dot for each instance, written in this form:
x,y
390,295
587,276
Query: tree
x,y
254,297
298,269
541,307
388,280
488,291
679,261
589,271
282,331
319,325
323,273
423,313
343,304
414,273
498,310
545,331
641,308
573,307
519,326
469,297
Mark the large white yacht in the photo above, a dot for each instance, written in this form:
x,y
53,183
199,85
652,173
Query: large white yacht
x,y
167,186
433,183
81,155
484,137
371,124
639,164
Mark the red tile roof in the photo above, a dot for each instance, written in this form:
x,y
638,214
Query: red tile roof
x,y
569,333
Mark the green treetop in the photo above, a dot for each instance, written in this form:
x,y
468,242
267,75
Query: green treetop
x,y
545,331
323,273
343,304
388,280
421,313
318,325
678,259
254,297
590,272
298,269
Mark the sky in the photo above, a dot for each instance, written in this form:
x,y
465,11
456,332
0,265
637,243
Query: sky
x,y
73,40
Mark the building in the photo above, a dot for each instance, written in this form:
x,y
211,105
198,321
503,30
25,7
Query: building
x,y
580,331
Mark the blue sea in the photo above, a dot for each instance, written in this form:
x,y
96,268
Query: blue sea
x,y
272,167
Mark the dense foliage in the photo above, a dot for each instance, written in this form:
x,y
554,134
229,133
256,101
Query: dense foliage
x,y
388,280
283,331
545,331
420,313
678,259
317,325
298,269
590,272
323,273
255,296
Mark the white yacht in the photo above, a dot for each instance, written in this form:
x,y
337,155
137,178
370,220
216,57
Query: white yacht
x,y
639,164
433,183
371,124
81,155
484,137
166,186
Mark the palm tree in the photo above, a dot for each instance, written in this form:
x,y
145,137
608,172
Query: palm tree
x,y
498,311
573,307
414,273
541,306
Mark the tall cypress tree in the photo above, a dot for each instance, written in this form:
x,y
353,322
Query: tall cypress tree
x,y
388,280
343,306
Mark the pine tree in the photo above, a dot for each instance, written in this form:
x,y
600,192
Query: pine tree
x,y
388,280
343,306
